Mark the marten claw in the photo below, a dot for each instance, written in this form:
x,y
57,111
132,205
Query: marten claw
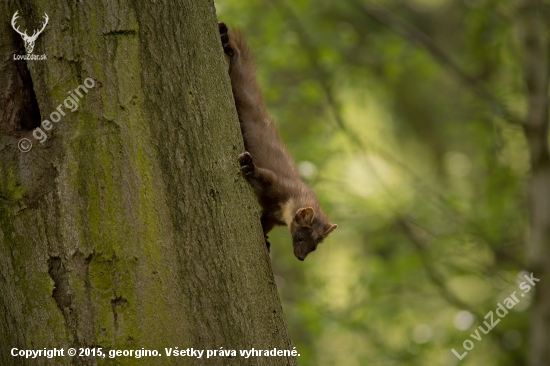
x,y
223,27
245,159
227,48
247,166
248,170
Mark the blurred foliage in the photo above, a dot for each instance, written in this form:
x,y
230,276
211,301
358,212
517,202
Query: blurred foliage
x,y
425,177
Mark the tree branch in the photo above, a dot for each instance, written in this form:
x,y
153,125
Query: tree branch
x,y
530,26
535,65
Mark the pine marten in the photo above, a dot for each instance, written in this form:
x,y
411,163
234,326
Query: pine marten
x,y
266,163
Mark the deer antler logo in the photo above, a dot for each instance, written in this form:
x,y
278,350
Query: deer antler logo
x,y
29,41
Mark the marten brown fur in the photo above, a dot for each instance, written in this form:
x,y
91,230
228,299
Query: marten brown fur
x,y
266,163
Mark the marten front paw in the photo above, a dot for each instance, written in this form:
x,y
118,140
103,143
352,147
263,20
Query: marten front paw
x,y
224,35
247,166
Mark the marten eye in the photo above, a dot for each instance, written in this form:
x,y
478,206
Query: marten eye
x,y
300,238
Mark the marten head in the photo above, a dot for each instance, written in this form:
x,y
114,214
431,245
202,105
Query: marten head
x,y
308,230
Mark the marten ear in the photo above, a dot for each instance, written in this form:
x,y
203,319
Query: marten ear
x,y
304,216
329,229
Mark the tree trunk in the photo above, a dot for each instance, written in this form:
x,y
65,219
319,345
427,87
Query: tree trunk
x,y
531,31
131,226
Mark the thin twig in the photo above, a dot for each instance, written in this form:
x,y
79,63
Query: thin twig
x,y
421,245
416,36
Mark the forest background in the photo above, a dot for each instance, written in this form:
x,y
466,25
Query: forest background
x,y
406,120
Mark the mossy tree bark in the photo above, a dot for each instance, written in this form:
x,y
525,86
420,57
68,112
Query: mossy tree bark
x,y
131,227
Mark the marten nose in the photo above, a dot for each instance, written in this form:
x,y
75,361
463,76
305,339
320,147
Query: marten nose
x,y
301,258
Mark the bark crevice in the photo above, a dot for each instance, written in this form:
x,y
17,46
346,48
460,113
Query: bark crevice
x,y
60,291
61,294
21,111
116,303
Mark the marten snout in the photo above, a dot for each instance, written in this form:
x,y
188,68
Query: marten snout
x,y
303,243
298,254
